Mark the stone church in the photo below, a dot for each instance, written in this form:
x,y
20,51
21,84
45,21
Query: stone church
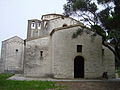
x,y
49,51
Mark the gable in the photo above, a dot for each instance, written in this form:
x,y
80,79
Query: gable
x,y
14,39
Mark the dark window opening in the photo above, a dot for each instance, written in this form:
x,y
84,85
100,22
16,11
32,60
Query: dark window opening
x,y
16,50
79,48
64,25
102,51
33,24
41,53
24,42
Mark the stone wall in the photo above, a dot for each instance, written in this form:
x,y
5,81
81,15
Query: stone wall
x,y
51,16
1,66
35,64
12,55
38,28
50,50
108,62
60,22
64,51
3,55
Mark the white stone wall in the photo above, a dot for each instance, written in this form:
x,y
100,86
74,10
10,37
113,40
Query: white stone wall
x,y
12,55
108,62
56,23
50,16
3,55
64,51
34,64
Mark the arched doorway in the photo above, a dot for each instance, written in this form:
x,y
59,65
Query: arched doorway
x,y
79,67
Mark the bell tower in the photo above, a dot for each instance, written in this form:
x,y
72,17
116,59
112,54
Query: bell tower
x,y
33,29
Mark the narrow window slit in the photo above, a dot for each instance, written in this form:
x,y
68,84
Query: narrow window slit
x,y
41,55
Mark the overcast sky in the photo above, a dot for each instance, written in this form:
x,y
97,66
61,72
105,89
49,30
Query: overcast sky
x,y
15,13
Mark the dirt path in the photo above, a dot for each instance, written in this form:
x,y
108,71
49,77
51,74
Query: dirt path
x,y
90,85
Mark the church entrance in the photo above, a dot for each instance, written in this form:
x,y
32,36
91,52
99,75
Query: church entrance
x,y
79,67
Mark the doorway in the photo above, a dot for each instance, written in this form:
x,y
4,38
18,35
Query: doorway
x,y
79,67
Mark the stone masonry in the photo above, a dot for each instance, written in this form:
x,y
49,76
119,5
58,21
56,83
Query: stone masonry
x,y
50,51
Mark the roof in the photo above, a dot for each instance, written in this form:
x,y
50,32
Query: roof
x,y
34,20
61,16
13,38
62,28
71,26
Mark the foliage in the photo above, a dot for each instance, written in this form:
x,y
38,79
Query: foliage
x,y
79,32
100,15
25,85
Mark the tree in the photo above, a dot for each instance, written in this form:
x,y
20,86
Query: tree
x,y
105,21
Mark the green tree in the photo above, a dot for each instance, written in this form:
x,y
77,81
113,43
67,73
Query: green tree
x,y
103,16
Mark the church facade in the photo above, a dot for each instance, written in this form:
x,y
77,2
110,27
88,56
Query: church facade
x,y
50,51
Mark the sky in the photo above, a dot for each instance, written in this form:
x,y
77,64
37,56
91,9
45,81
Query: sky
x,y
14,15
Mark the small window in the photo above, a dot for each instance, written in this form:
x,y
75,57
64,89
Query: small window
x,y
16,50
103,52
64,25
41,53
79,48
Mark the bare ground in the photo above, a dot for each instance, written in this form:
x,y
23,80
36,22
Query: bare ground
x,y
90,85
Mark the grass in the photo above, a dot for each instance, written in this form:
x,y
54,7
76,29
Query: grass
x,y
25,85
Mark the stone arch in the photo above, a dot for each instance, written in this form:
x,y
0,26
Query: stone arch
x,y
79,67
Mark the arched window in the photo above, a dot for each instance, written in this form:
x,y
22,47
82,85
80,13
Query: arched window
x,y
33,25
64,25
